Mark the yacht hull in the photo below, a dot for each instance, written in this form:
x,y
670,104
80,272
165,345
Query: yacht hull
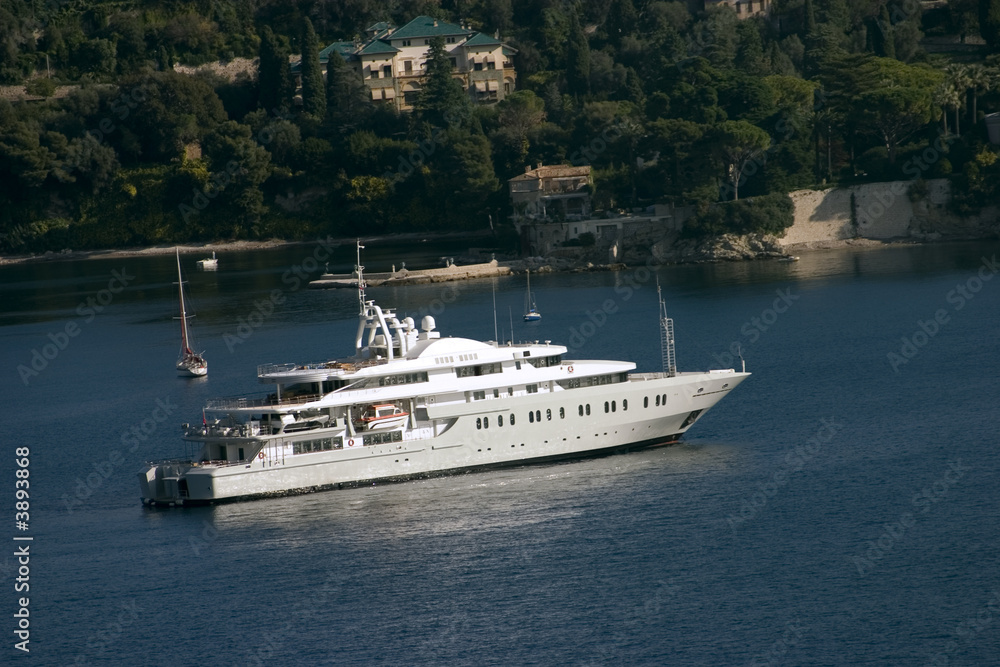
x,y
546,427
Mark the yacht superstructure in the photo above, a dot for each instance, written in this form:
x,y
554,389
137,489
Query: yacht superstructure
x,y
410,403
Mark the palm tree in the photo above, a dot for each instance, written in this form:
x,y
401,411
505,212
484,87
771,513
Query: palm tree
x,y
957,78
981,80
946,97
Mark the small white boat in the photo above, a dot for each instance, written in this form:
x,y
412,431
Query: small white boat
x,y
531,313
383,417
209,264
189,363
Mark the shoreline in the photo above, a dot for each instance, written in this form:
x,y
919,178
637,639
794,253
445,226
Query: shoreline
x,y
272,244
217,246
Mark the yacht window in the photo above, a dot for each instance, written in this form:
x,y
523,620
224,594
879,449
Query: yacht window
x,y
581,410
479,422
478,395
531,417
657,400
562,413
624,404
548,415
531,388
486,422
588,408
607,406
510,391
496,393
613,407
499,420
512,419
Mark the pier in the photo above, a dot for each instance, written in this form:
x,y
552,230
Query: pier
x,y
408,277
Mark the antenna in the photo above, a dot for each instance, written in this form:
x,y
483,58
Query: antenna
x,y
494,286
739,353
511,316
361,279
666,336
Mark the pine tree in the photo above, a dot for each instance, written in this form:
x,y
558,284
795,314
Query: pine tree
x,y
441,100
313,92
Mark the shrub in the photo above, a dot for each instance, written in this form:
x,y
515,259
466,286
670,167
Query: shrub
x,y
770,214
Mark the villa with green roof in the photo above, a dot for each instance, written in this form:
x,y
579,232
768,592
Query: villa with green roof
x,y
391,61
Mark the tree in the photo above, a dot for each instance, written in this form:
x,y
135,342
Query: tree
x,y
442,99
989,23
274,73
900,104
957,78
577,58
346,99
980,81
313,90
740,145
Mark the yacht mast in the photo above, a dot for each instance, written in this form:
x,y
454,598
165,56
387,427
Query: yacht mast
x,y
666,337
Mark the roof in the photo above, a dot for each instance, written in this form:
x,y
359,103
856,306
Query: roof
x,y
481,39
376,47
553,171
427,26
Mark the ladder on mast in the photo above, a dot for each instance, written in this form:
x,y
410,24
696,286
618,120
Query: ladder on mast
x,y
666,337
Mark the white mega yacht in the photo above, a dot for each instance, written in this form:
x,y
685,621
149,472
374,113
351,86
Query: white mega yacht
x,y
409,403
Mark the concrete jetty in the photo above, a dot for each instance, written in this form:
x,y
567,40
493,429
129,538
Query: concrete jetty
x,y
408,277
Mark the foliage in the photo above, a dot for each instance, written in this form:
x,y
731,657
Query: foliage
x,y
771,214
665,106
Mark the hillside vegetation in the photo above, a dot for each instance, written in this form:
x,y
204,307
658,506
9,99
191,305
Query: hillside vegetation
x,y
667,106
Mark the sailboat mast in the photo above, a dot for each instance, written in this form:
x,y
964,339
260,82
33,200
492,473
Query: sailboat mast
x,y
180,288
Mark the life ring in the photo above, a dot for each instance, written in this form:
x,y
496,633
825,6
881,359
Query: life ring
x,y
570,369
350,443
261,456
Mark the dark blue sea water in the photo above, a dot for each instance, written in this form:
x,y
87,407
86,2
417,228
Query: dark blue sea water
x,y
840,508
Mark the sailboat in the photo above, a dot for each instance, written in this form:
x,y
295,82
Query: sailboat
x,y
531,313
189,363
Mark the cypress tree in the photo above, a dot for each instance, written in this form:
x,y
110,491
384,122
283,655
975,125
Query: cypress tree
x,y
577,58
313,92
274,74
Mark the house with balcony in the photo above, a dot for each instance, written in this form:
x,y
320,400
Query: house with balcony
x,y
391,61
551,192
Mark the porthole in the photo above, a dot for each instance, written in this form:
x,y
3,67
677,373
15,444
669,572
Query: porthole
x,y
614,408
479,422
548,415
531,417
562,413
